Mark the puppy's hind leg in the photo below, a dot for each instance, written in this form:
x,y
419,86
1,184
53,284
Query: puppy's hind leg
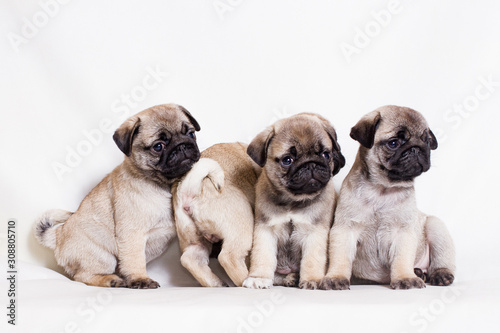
x,y
233,262
442,252
237,244
87,261
100,280
195,259
195,249
100,272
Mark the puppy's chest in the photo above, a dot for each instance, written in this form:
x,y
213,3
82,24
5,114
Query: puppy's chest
x,y
153,208
300,217
378,235
294,219
289,248
382,216
377,202
375,240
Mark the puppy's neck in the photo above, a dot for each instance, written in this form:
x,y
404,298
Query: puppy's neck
x,y
154,177
373,189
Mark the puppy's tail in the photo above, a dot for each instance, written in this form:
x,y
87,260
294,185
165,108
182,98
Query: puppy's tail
x,y
191,186
47,224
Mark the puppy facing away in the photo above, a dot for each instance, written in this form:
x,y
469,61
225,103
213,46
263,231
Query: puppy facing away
x,y
215,202
126,220
295,200
378,233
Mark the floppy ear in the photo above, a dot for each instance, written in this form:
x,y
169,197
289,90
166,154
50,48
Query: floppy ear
x,y
257,149
191,118
364,130
434,142
124,135
338,158
429,138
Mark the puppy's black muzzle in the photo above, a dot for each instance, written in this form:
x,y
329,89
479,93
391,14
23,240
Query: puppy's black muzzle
x,y
309,178
180,159
410,164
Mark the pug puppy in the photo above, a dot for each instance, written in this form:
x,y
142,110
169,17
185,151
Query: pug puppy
x,y
295,200
214,203
378,233
126,220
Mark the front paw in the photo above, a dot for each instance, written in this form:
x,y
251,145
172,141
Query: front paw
x,y
335,283
441,277
291,280
143,283
408,283
310,284
257,283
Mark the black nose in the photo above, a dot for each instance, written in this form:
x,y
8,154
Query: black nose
x,y
412,152
311,170
309,178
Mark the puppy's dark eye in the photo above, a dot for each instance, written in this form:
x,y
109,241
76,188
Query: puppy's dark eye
x,y
393,144
191,134
286,161
326,155
158,147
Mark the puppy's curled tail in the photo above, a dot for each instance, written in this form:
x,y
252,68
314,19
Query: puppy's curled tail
x,y
191,186
46,225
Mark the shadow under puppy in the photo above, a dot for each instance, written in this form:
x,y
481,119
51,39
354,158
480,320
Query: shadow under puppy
x,y
126,220
215,202
295,200
378,233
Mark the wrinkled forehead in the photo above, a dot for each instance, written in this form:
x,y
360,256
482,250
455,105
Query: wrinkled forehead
x,y
401,122
303,134
164,123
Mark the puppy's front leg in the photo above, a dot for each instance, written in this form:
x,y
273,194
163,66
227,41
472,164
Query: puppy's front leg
x,y
313,263
132,260
263,260
402,254
342,251
442,252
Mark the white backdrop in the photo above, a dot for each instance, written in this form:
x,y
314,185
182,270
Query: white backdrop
x,y
72,71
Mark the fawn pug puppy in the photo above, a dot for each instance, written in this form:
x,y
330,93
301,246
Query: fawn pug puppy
x,y
295,200
126,220
215,202
378,233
